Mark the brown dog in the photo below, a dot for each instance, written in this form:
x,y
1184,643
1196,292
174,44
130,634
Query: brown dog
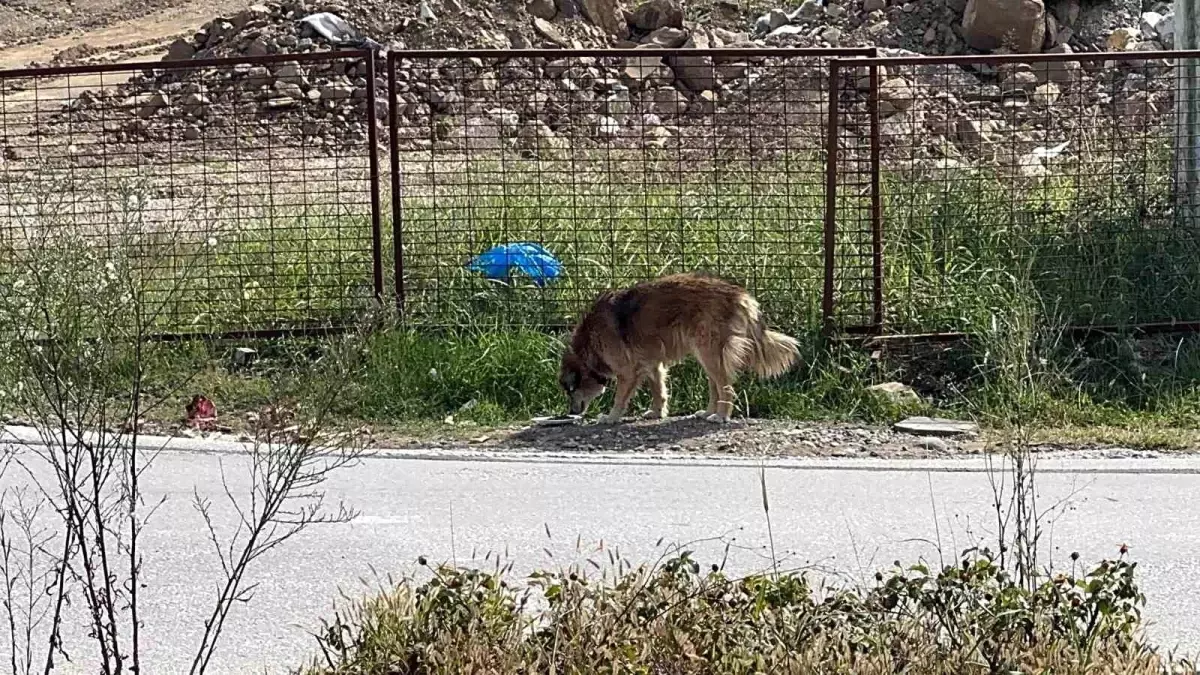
x,y
636,333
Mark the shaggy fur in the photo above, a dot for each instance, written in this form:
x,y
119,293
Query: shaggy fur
x,y
637,333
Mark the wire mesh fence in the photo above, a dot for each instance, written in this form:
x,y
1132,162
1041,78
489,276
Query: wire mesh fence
x,y
239,191
618,165
853,251
904,194
1042,184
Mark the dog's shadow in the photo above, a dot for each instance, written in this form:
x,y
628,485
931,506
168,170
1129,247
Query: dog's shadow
x,y
632,434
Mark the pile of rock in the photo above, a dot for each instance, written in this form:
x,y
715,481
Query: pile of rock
x,y
645,97
924,27
971,26
543,106
1018,115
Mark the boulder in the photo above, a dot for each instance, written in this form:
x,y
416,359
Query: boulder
x,y
606,15
654,14
897,95
180,50
667,37
542,9
695,72
771,21
1019,25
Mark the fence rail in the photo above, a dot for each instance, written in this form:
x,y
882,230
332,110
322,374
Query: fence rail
x,y
871,194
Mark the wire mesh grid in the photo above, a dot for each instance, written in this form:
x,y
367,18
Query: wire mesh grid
x,y
239,191
853,249
1040,185
620,166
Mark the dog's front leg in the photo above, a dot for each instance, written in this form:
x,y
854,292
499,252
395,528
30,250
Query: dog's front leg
x,y
626,386
658,384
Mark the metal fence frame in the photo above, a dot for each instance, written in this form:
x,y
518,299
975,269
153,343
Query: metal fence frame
x,y
314,324
878,326
840,61
832,176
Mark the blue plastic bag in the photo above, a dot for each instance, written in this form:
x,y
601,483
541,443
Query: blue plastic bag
x,y
532,259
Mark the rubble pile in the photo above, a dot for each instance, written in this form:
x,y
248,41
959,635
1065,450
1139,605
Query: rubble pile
x,y
946,114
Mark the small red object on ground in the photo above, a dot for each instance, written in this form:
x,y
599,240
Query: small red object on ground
x,y
201,413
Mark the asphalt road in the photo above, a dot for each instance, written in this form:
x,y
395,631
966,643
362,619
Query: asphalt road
x,y
845,518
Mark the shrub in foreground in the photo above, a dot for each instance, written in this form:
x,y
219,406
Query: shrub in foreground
x,y
677,618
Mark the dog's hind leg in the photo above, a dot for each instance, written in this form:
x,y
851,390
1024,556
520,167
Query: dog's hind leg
x,y
720,388
725,398
626,386
658,393
713,397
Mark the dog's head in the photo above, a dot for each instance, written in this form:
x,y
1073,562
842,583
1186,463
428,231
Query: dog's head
x,y
582,382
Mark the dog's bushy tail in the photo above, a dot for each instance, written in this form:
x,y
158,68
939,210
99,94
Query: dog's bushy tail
x,y
771,353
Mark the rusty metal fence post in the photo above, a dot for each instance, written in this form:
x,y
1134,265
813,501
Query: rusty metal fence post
x,y
876,205
373,159
397,206
831,179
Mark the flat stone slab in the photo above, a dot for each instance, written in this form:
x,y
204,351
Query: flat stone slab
x,y
935,426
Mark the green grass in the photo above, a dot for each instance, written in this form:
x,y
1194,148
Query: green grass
x,y
960,246
1117,390
1009,260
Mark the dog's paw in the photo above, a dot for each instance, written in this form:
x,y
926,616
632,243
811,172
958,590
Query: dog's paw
x,y
608,419
654,414
717,418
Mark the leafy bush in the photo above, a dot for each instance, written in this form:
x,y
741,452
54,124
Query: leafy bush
x,y
674,617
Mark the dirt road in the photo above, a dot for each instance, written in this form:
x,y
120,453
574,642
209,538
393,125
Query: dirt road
x,y
62,31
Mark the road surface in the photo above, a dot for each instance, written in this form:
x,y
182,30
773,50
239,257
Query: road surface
x,y
846,518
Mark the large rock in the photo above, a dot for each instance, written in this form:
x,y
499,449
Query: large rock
x,y
252,15
1063,73
568,8
770,21
549,31
1122,39
1165,29
695,72
291,72
655,14
667,102
638,69
896,393
896,95
667,37
935,426
542,9
606,15
1019,25
180,50
537,140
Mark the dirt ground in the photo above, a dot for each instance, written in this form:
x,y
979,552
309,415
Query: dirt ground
x,y
687,437
46,31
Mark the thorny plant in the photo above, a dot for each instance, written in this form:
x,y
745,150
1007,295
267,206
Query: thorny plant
x,y
291,455
76,321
